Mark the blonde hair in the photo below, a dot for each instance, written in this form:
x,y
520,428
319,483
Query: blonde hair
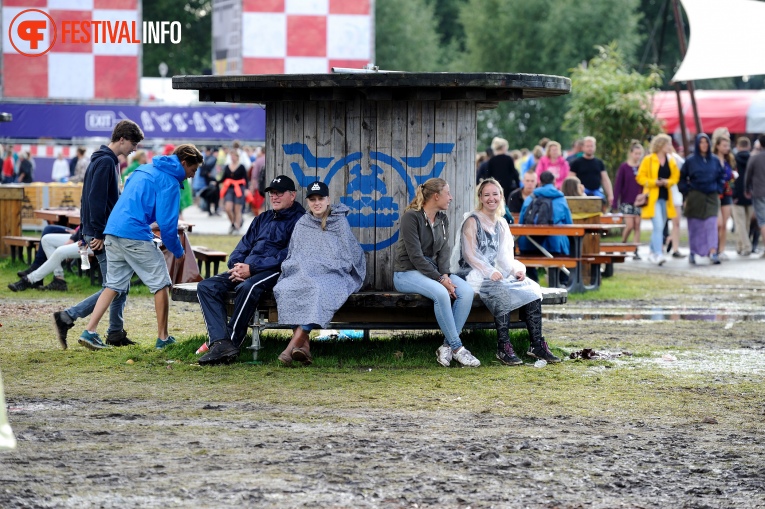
x,y
729,156
660,141
554,144
499,144
570,187
500,212
590,138
425,191
324,216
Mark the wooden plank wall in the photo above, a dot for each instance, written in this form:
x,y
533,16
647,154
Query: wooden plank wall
x,y
336,129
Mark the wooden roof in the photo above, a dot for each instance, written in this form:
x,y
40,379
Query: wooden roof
x,y
486,88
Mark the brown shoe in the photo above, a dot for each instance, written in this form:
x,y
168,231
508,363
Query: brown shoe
x,y
285,359
302,355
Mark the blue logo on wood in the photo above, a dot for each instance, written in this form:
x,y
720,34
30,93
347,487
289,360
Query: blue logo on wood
x,y
366,193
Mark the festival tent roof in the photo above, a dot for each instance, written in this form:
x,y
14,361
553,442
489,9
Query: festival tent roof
x,y
741,111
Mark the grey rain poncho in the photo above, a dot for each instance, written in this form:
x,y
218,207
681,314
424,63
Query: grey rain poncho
x,y
483,246
321,270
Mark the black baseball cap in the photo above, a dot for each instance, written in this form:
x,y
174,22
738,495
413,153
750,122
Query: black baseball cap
x,y
280,184
317,187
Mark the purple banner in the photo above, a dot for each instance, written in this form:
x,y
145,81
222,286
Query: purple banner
x,y
32,121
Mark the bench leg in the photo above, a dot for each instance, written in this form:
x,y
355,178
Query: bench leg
x,y
216,263
29,254
199,266
13,254
367,334
257,329
608,271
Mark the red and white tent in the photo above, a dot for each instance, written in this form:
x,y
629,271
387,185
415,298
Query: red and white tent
x,y
741,111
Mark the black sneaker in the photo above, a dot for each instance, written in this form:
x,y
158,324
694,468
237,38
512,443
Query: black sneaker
x,y
506,355
57,285
27,271
221,352
22,284
61,327
118,339
542,352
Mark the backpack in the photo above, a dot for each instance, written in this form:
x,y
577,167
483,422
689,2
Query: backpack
x,y
539,211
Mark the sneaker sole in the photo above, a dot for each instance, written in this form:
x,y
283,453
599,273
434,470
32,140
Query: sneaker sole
x,y
61,339
223,360
438,360
508,363
88,345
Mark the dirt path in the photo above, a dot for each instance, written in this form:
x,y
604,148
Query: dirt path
x,y
115,455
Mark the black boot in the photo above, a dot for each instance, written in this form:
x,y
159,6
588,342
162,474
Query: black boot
x,y
221,352
531,313
505,352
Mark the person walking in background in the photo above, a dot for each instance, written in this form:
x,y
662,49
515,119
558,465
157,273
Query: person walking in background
x,y
626,191
100,191
80,167
26,170
8,167
233,186
742,206
421,265
577,149
657,174
501,167
721,149
151,195
701,182
592,172
324,266
754,186
60,172
672,240
553,162
483,256
138,159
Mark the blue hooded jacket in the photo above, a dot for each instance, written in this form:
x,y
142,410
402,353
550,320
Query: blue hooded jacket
x,y
561,215
702,173
264,247
151,194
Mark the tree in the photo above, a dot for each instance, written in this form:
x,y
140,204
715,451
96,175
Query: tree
x,y
405,36
612,103
542,37
194,54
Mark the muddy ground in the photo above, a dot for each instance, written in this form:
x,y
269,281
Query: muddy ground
x,y
88,449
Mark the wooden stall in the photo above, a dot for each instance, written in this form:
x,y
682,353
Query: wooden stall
x,y
11,202
373,137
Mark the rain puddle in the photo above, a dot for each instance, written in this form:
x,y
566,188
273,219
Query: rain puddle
x,y
656,315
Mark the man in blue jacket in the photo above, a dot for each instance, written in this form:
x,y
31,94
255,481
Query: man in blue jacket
x,y
152,194
100,191
561,214
253,267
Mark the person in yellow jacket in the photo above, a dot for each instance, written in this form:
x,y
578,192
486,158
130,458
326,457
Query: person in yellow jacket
x,y
657,174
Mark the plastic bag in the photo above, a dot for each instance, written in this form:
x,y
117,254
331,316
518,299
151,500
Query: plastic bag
x,y
7,440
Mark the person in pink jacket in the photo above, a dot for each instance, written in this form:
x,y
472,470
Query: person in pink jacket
x,y
554,162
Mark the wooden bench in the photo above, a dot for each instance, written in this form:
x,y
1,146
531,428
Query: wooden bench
x,y
618,251
208,256
372,311
17,245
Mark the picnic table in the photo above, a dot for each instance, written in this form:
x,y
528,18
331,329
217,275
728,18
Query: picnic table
x,y
63,216
581,255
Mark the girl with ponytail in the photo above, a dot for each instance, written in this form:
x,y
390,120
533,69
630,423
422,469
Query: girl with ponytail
x,y
421,265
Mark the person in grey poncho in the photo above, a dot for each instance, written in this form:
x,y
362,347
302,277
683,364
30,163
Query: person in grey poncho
x,y
483,256
325,264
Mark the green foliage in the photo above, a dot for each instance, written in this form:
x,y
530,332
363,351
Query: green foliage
x,y
194,54
405,36
612,103
545,37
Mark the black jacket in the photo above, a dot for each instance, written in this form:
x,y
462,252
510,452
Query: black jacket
x,y
264,246
742,157
100,191
502,168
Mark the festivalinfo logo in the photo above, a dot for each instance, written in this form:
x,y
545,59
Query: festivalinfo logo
x,y
33,32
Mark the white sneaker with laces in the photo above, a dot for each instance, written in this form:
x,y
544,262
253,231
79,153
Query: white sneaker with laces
x,y
444,355
464,357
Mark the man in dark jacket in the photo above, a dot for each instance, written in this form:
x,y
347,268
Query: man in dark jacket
x,y
100,191
742,206
754,185
502,167
253,268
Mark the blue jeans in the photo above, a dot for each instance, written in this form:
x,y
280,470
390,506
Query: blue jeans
x,y
451,317
658,220
116,308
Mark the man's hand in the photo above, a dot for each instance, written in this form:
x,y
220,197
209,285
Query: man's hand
x,y
239,272
96,245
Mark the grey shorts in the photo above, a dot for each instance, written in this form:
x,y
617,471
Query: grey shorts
x,y
759,210
126,256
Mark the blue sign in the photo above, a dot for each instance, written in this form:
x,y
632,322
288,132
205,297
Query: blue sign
x,y
32,121
367,195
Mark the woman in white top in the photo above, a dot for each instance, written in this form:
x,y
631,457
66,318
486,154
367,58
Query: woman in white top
x,y
483,256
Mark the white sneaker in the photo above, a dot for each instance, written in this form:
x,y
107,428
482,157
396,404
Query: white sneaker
x,y
444,355
464,357
652,258
660,260
722,256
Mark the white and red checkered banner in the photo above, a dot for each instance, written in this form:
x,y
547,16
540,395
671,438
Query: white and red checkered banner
x,y
306,36
46,54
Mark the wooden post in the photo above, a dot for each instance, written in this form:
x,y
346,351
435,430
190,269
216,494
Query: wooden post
x,y
11,201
